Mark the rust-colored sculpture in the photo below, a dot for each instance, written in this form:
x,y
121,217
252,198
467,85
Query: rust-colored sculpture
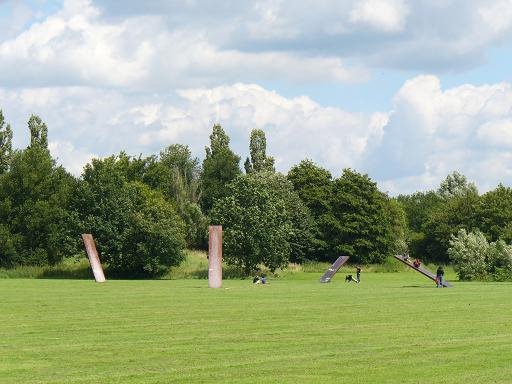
x,y
215,256
94,260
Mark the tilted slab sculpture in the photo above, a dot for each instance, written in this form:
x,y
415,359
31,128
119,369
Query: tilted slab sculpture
x,y
424,271
94,259
327,276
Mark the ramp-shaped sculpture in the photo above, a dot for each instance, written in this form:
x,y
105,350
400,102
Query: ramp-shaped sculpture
x,y
215,256
94,259
327,276
424,271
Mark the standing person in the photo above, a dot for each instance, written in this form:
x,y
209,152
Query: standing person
x,y
440,277
358,274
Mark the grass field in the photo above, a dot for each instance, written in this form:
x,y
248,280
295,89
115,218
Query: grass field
x,y
392,328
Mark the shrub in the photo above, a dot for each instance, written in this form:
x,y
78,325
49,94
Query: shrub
x,y
469,251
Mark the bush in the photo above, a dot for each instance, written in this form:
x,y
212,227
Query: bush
x,y
476,259
469,251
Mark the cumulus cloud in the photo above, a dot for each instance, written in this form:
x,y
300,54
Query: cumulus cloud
x,y
429,133
419,35
74,47
88,121
296,128
384,15
432,132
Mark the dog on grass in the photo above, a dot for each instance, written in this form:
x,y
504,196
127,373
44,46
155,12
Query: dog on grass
x,y
350,278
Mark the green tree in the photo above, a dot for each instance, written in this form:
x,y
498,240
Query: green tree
x,y
5,144
418,207
256,225
360,225
314,186
179,182
38,132
303,230
138,232
220,167
456,185
494,214
34,202
259,161
455,213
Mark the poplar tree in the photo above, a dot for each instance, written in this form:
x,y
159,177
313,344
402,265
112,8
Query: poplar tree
x,y
38,132
5,144
259,161
220,167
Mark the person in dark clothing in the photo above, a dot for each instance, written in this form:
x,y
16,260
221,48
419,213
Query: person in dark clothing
x,y
440,277
416,263
358,274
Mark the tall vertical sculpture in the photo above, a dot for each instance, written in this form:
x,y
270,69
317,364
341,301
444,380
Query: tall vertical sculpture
x,y
215,256
94,260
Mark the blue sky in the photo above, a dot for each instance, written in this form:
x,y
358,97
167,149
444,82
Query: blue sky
x,y
406,91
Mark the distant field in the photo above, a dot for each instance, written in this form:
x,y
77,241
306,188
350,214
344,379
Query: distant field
x,y
392,328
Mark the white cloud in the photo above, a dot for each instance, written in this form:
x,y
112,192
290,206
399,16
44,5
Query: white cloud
x,y
497,16
296,128
496,133
432,132
384,15
75,47
429,133
88,121
72,158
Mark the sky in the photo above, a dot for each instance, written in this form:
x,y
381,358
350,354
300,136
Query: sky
x,y
404,91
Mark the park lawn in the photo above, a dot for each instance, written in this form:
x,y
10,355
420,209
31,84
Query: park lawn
x,y
392,328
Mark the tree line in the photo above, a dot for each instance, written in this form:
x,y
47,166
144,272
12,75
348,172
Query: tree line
x,y
144,211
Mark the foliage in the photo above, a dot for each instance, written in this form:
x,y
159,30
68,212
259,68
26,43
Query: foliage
x,y
314,187
499,261
445,220
255,222
418,207
469,250
476,259
220,167
494,214
398,223
313,184
38,132
138,232
5,144
360,224
303,231
456,185
259,161
34,205
176,174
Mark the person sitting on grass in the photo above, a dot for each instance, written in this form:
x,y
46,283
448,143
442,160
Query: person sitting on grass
x,y
256,280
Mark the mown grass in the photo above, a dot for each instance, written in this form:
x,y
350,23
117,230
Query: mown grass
x,y
392,328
